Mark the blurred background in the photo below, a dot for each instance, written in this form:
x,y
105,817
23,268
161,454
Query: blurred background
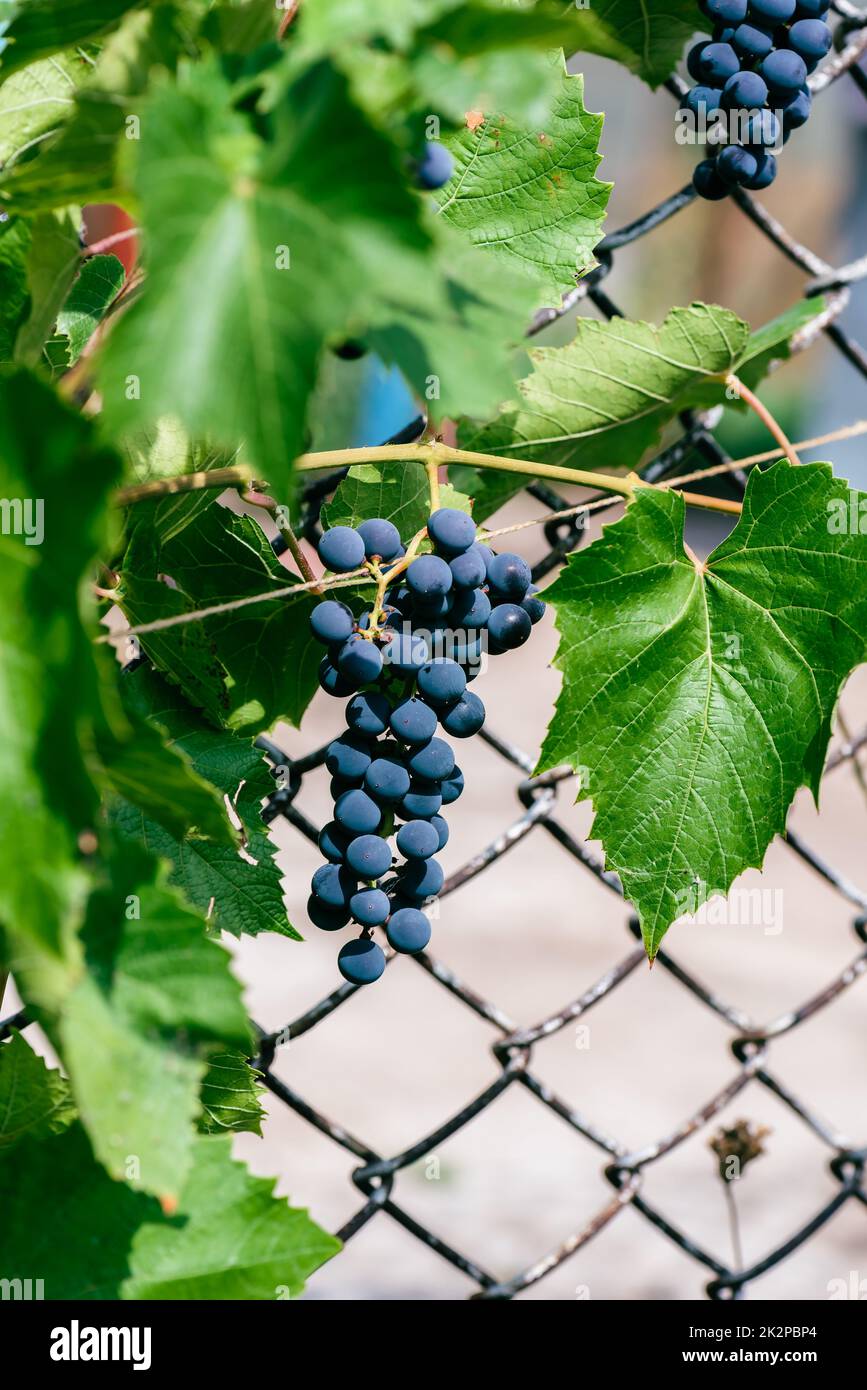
x,y
536,930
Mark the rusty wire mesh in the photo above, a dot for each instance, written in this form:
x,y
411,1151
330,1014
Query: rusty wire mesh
x,y
750,1042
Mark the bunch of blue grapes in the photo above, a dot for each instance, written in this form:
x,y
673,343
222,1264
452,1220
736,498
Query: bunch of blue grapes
x,y
757,61
391,772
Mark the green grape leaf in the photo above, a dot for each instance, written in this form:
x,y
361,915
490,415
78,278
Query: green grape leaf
x,y
519,81
237,1241
91,1238
241,892
646,36
460,347
765,348
241,27
36,101
65,1220
605,396
55,478
15,237
34,1101
157,997
52,265
251,666
398,492
530,196
697,698
231,1096
246,265
84,160
39,28
99,282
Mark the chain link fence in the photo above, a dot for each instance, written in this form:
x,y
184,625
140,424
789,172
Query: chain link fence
x,y
750,1042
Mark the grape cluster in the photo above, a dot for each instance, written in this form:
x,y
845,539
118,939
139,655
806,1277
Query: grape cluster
x,y
391,774
757,61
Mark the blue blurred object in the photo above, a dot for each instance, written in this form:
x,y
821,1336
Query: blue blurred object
x,y
386,404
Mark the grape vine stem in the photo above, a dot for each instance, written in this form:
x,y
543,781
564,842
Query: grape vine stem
x,y
435,454
735,384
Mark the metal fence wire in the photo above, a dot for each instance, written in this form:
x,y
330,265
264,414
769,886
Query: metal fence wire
x,y
376,1176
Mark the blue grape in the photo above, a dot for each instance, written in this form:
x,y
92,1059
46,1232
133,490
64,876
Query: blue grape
x,y
486,553
369,856
408,930
533,606
464,718
736,164
413,721
762,128
811,38
406,651
750,42
358,812
707,182
387,780
341,549
747,90
510,576
433,606
332,681
765,173
441,827
812,9
359,660
370,907
368,713
798,112
421,879
422,801
768,12
784,71
334,841
348,757
509,626
719,62
471,608
441,681
436,166
451,787
429,576
418,839
451,531
326,918
468,570
333,884
432,762
361,962
692,60
724,11
703,100
380,538
331,621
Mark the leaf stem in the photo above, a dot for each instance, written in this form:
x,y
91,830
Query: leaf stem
x,y
439,453
298,555
765,416
183,482
433,478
